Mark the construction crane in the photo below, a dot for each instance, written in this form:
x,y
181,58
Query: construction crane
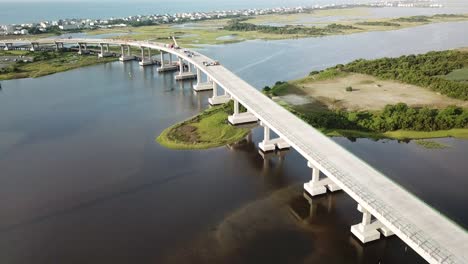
x,y
175,42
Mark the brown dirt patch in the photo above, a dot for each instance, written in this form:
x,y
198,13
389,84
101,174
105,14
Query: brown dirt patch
x,y
186,133
370,93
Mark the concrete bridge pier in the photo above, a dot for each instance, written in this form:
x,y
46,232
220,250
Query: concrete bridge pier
x,y
7,46
126,56
269,144
34,46
83,48
241,118
58,46
369,229
146,61
106,53
185,75
167,67
218,99
202,86
318,186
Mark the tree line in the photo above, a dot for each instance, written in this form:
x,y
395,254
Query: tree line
x,y
239,25
393,117
378,23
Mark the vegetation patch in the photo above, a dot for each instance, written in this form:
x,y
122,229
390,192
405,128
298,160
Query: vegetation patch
x,y
282,88
429,144
209,129
414,19
46,63
404,135
378,23
459,75
239,25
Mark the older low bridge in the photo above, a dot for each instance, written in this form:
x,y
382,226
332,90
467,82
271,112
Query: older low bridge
x,y
387,208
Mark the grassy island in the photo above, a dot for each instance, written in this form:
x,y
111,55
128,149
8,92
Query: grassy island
x,y
410,97
209,129
25,64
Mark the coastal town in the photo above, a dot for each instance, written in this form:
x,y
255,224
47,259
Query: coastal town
x,y
78,24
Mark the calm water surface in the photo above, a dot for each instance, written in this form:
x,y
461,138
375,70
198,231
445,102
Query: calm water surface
x,y
83,180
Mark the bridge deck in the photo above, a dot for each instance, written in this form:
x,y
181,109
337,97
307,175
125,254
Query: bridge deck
x,y
429,233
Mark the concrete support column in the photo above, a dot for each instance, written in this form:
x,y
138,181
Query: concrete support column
x,y
239,118
369,230
170,59
319,186
266,144
236,107
266,134
162,59
146,61
56,46
85,46
34,45
215,89
199,77
79,48
269,144
189,67
366,218
126,53
7,46
316,186
218,99
104,53
181,65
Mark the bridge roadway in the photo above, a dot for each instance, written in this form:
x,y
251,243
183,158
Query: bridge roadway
x,y
433,236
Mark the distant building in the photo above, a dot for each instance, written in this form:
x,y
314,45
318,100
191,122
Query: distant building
x,y
68,27
44,24
9,29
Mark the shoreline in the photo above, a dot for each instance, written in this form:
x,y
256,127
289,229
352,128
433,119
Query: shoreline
x,y
402,135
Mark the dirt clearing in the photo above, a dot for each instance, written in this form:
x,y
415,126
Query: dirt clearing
x,y
370,93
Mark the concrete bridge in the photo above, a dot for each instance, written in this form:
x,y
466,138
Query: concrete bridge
x,y
387,208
